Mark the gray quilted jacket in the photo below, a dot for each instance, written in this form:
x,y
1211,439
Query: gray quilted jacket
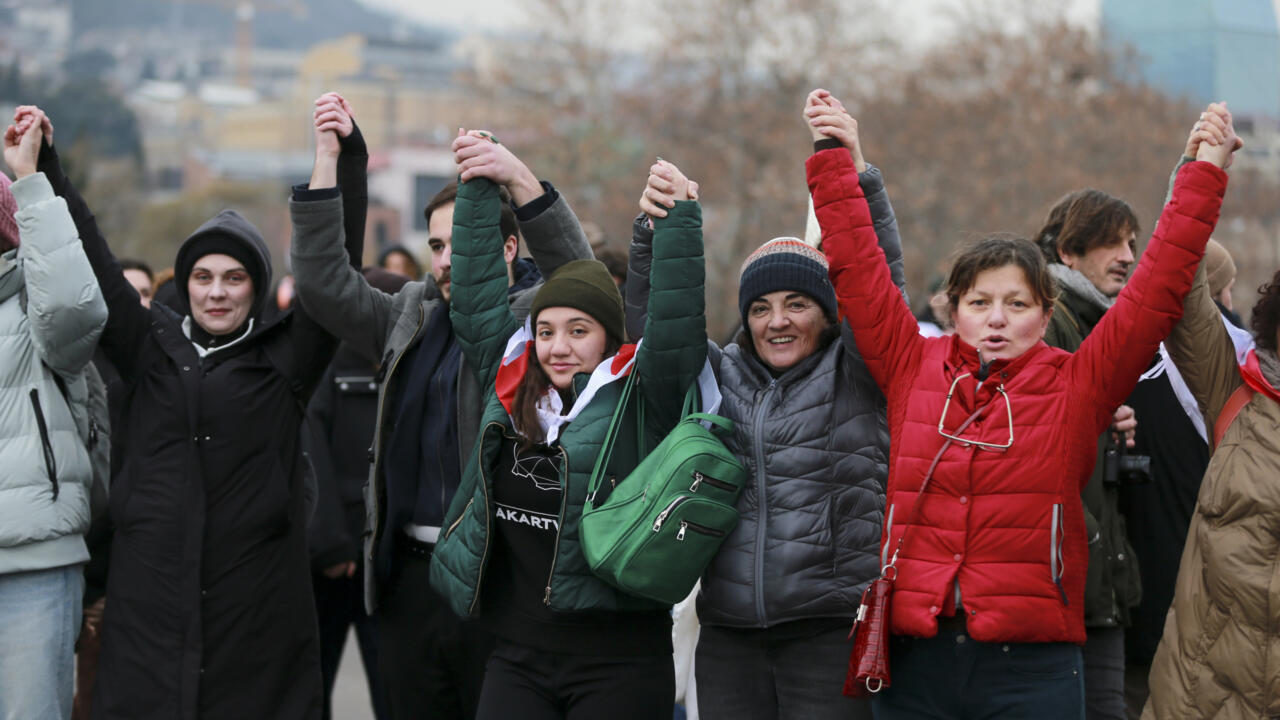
x,y
816,446
51,314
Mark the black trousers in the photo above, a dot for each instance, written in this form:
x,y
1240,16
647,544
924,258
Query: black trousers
x,y
432,662
339,605
531,684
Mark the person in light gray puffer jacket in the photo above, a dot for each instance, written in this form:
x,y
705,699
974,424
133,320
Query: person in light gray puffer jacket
x,y
779,598
51,314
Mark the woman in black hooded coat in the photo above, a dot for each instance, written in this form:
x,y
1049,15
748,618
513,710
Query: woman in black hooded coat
x,y
209,610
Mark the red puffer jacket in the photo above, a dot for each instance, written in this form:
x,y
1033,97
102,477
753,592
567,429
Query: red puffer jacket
x,y
1005,524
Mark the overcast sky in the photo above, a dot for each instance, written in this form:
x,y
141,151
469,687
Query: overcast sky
x,y
510,14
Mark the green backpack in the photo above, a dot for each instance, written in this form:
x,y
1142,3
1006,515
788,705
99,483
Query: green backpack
x,y
660,527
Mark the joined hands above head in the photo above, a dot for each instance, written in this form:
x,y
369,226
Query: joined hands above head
x,y
1213,138
666,185
23,138
827,118
332,120
479,154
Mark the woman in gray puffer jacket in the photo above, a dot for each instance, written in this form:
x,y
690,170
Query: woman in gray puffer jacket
x,y
779,598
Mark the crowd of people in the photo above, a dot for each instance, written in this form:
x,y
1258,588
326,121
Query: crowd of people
x,y
1065,468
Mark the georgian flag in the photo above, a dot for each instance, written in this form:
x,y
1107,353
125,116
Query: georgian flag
x,y
520,352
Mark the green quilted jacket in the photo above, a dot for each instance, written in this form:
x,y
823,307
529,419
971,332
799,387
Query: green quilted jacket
x,y
668,362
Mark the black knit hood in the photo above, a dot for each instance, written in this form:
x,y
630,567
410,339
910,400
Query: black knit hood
x,y
240,239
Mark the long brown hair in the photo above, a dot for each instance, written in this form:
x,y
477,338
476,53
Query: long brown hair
x,y
524,410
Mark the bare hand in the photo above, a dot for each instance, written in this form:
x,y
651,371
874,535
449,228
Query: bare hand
x,y
665,186
332,119
827,118
25,114
341,570
479,154
1217,141
1124,424
22,147
91,620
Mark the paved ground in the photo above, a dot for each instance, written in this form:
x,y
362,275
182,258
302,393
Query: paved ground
x,y
350,691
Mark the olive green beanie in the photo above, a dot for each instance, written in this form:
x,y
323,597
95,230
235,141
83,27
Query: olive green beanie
x,y
587,286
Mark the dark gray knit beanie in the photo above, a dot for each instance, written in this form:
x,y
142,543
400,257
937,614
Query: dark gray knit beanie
x,y
786,263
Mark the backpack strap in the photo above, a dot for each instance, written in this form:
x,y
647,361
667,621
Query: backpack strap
x,y
1230,410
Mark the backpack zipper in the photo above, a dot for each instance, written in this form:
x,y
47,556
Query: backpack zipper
x,y
700,529
700,477
662,516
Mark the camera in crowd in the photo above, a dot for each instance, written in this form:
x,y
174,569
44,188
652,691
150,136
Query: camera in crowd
x,y
1120,466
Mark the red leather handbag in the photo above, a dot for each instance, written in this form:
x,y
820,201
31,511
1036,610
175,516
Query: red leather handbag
x,y
869,660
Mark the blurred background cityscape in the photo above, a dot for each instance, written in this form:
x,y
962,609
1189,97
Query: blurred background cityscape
x,y
981,113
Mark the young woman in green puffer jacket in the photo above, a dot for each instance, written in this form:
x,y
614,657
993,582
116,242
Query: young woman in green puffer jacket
x,y
569,644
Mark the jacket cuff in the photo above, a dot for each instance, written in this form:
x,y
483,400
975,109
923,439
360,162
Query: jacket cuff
x,y
353,144
32,189
826,144
871,180
303,193
538,205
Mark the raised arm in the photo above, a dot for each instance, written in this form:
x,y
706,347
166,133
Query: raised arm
x,y
886,333
128,323
328,236
639,261
335,134
550,228
478,306
1114,355
675,345
1200,345
64,307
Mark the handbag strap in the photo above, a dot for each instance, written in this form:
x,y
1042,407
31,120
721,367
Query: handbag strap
x,y
893,561
615,425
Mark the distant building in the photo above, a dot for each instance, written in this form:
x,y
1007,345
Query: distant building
x,y
1204,50
406,178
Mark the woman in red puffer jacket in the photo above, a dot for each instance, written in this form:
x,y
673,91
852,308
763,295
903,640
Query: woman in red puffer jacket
x,y
993,436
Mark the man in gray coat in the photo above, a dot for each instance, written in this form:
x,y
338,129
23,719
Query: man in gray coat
x,y
429,409
51,314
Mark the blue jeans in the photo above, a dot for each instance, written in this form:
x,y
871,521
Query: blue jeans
x,y
952,676
39,622
778,673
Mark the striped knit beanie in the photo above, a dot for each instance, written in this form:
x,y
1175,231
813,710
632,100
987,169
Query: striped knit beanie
x,y
8,208
786,263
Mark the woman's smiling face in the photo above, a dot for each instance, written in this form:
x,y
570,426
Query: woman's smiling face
x,y
785,327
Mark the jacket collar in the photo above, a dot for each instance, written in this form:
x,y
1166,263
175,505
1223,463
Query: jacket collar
x,y
963,358
753,366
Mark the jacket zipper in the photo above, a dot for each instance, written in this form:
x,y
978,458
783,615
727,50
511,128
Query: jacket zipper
x,y
700,529
488,513
564,499
700,477
45,443
1055,550
762,500
451,528
384,373
888,535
